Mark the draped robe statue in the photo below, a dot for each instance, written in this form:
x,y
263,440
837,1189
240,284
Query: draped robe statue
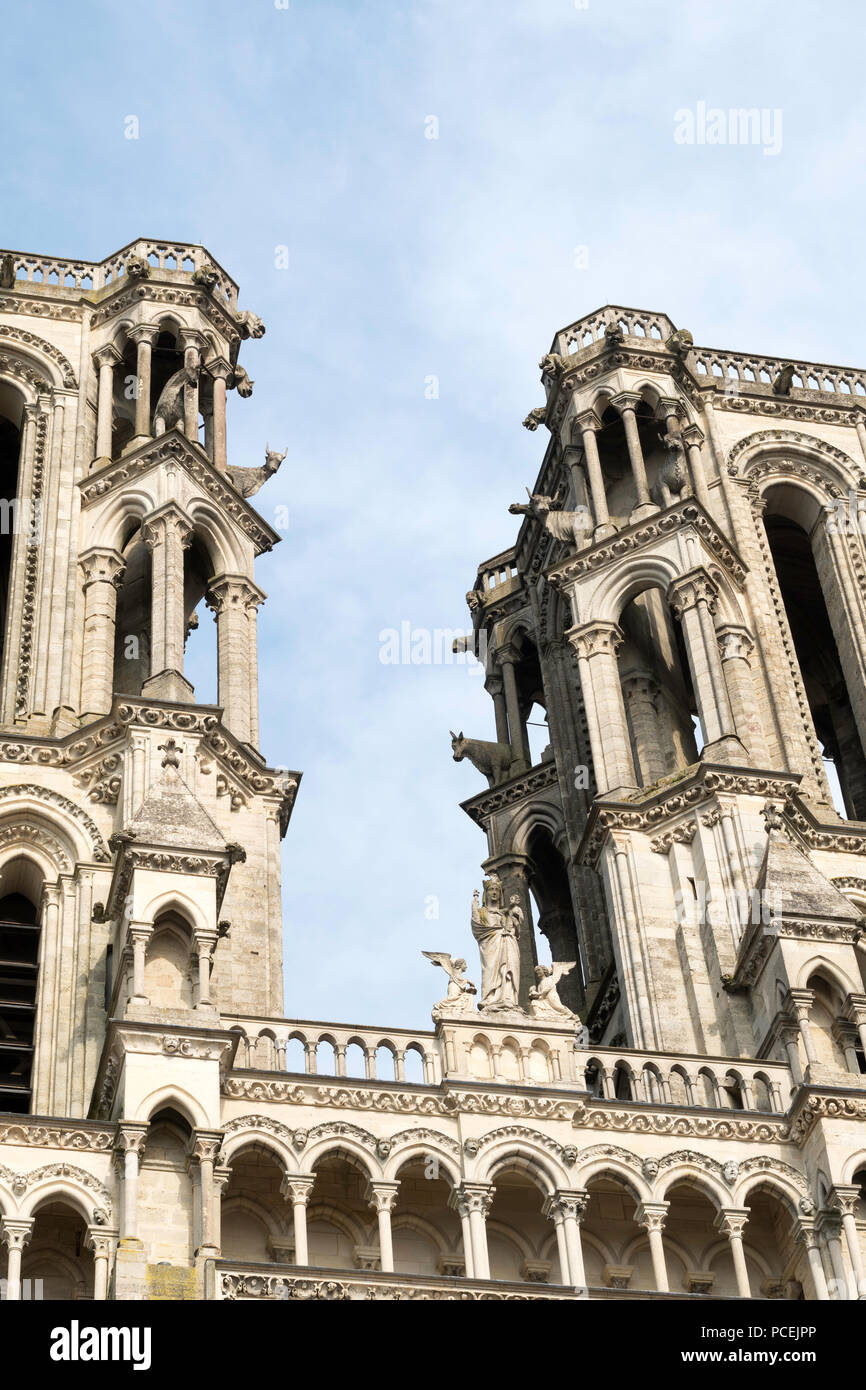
x,y
497,931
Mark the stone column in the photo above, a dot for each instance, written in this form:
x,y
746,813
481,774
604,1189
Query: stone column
x,y
693,437
507,659
222,1174
587,424
381,1196
553,1212
297,1189
233,599
144,337
205,944
830,1225
206,1145
139,934
731,1221
798,1002
596,645
807,1237
478,1197
855,1010
103,570
191,342
736,645
15,1233
651,1215
640,696
626,403
570,1207
130,1142
103,1243
219,371
167,532
105,359
693,599
790,1035
457,1202
495,689
844,1200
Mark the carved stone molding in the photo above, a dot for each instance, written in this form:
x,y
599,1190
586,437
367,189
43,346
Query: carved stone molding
x,y
25,339
29,791
48,1136
700,1126
238,1087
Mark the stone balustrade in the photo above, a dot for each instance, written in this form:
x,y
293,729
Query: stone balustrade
x,y
635,323
499,575
533,1053
177,257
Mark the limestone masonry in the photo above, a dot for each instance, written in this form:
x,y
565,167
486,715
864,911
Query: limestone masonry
x,y
675,1106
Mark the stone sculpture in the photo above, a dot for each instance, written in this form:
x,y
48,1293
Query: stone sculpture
x,y
493,759
571,527
461,991
544,1000
496,928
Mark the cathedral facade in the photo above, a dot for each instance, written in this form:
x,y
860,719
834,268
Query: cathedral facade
x,y
669,1100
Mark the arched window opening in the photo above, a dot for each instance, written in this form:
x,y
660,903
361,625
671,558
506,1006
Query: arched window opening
x,y
132,627
824,1014
168,973
167,358
200,642
125,379
426,1232
256,1222
818,657
658,694
615,1248
57,1266
19,977
517,1232
11,421
620,487
549,885
341,1228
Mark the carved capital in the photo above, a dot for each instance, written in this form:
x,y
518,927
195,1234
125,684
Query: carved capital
x,y
595,639
102,565
233,592
844,1200
474,1197
734,642
560,1205
381,1196
691,589
107,356
626,401
169,521
206,1144
15,1232
693,435
101,1241
731,1221
131,1137
297,1188
651,1215
144,333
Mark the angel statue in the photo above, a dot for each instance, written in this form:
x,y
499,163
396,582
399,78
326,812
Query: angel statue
x,y
458,1000
544,1000
496,928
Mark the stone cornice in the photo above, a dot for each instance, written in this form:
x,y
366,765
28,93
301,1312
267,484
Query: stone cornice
x,y
21,338
175,448
520,788
631,539
682,793
38,1132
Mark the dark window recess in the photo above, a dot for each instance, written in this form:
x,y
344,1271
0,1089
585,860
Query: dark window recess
x,y
19,971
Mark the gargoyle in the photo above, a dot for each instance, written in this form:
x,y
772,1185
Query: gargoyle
x,y
680,342
250,324
535,418
241,383
495,760
247,481
784,381
170,406
7,272
570,527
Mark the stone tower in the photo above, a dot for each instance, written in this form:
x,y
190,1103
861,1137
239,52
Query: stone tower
x,y
139,843
685,605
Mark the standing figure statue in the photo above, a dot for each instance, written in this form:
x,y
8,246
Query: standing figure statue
x,y
496,928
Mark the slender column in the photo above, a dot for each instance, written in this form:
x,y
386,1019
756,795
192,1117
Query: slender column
x,y
297,1189
651,1215
693,600
799,1002
382,1196
103,1243
15,1234
131,1138
844,1200
139,934
566,1210
640,695
105,359
144,337
507,659
626,403
220,372
596,645
494,687
168,532
233,598
831,1229
457,1202
221,1178
588,425
807,1237
553,1212
693,437
855,1010
845,1034
790,1035
103,570
206,1144
192,344
736,645
479,1199
731,1221
205,945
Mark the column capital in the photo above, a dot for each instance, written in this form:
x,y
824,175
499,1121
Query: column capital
x,y
587,422
671,405
843,1199
102,1240
691,589
855,1007
143,333
805,1233
131,1136
206,1144
493,685
626,400
192,338
157,525
732,1220
297,1188
219,368
829,1222
381,1196
566,1203
474,1196
651,1215
799,1002
15,1231
735,641
102,565
693,435
595,639
140,931
233,591
107,356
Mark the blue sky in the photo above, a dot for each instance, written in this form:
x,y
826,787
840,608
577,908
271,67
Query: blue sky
x,y
409,258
